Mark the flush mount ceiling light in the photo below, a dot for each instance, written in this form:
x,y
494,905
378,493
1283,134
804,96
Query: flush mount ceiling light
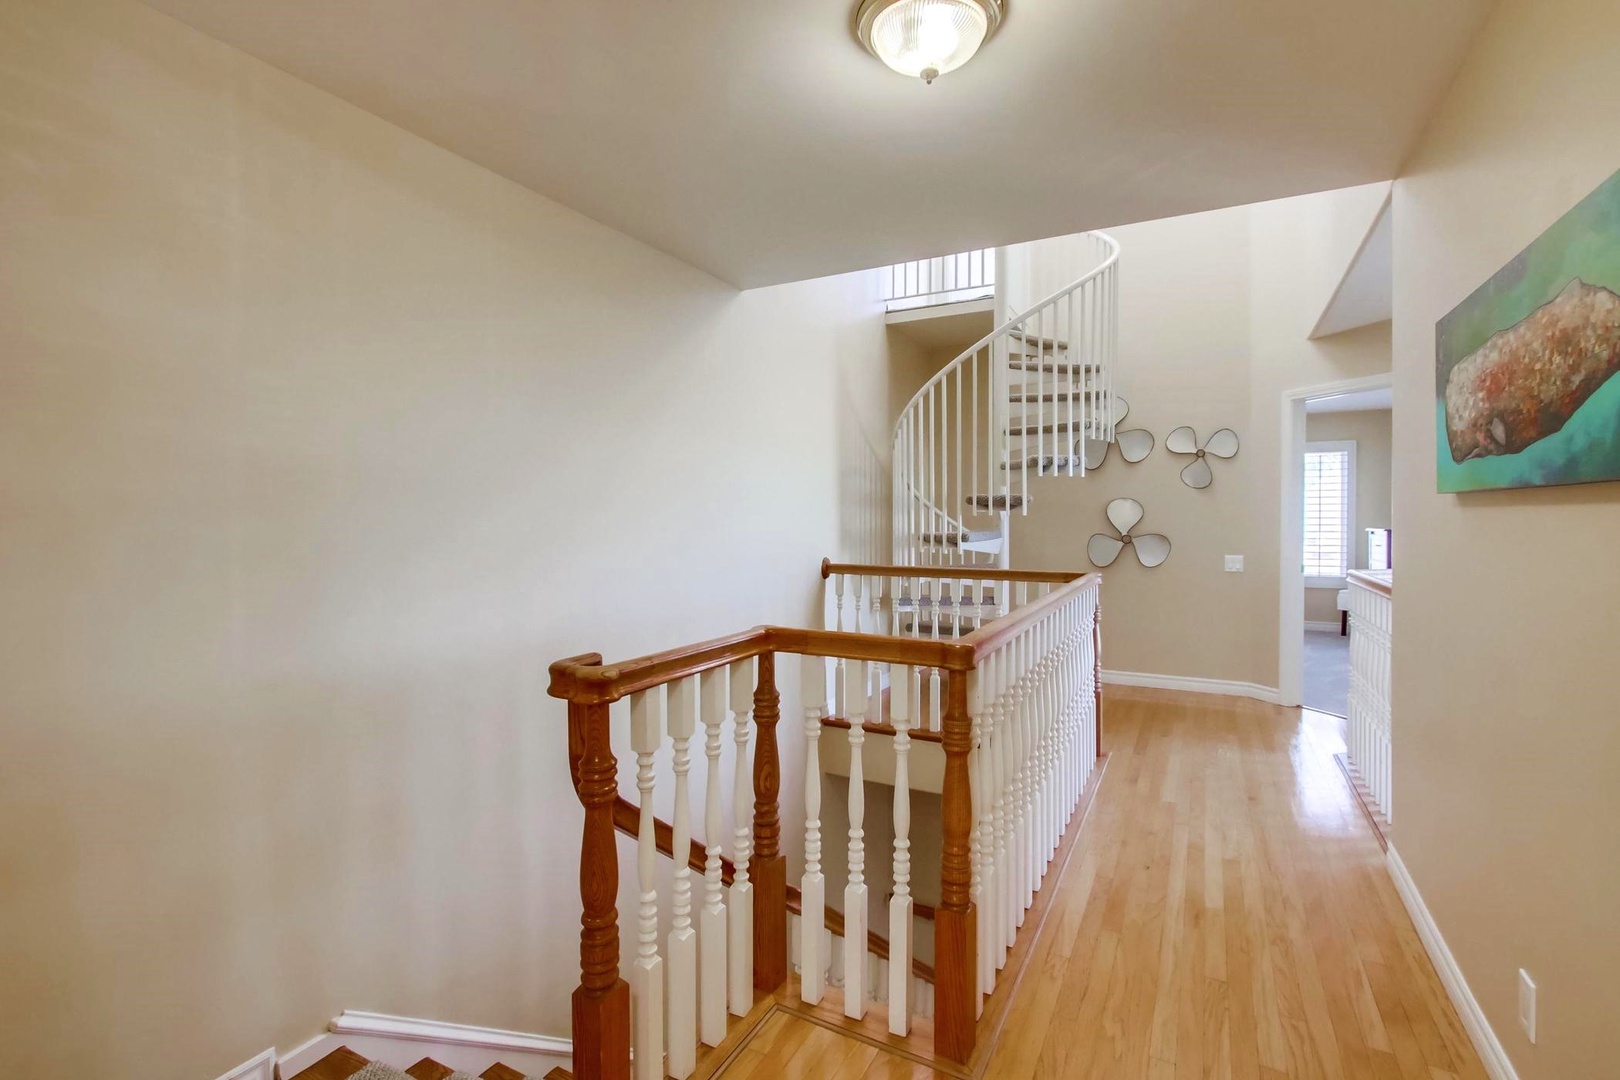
x,y
926,38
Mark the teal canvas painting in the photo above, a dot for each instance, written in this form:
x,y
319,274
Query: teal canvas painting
x,y
1525,394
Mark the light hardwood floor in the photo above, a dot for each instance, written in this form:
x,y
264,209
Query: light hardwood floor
x,y
1225,913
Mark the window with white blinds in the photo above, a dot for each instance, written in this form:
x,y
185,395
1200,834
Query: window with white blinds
x,y
1330,482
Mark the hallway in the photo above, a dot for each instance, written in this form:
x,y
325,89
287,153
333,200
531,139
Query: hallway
x,y
1225,913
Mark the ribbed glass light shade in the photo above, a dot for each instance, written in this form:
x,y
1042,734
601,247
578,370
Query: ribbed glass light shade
x,y
927,38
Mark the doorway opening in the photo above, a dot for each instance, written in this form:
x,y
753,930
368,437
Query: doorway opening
x,y
1337,470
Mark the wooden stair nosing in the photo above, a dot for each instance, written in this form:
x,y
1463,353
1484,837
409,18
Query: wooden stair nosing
x,y
1045,462
1064,426
1036,339
1020,397
995,502
1051,369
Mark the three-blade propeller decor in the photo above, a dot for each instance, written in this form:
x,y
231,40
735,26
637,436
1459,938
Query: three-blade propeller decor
x,y
1197,473
1134,445
1124,515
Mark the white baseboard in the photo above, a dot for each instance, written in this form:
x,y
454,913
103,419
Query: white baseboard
x,y
1324,627
262,1067
401,1042
1473,1017
1192,685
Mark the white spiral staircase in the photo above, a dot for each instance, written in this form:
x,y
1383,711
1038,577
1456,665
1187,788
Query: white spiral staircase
x,y
1021,401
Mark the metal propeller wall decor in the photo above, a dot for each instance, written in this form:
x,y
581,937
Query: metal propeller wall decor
x,y
1197,473
1134,445
1124,515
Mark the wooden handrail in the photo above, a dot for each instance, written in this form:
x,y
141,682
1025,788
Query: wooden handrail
x,y
1370,583
879,728
996,633
578,680
975,573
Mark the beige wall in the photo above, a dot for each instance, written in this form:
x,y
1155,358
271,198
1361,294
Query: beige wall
x,y
1507,753
1215,310
1369,430
317,444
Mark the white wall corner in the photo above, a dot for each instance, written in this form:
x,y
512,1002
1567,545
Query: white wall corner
x,y
1187,684
260,1067
1479,1030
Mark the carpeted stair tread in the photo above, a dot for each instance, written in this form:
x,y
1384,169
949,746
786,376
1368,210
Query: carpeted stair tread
x,y
376,1070
345,1064
340,1064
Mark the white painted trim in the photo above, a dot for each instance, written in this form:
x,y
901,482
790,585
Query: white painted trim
x,y
1331,624
1479,1030
402,1041
1291,549
437,1031
1188,684
261,1067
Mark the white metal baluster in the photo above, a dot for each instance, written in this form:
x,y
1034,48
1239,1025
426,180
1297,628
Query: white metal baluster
x,y
812,886
712,920
999,409
955,490
935,525
740,949
1076,436
973,488
855,988
681,992
840,704
900,904
647,972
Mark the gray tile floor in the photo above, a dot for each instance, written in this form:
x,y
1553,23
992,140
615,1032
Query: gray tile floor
x,y
1327,672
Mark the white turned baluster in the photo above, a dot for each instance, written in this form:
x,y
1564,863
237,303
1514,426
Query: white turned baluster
x,y
1020,852
981,698
900,904
933,723
740,948
976,852
1031,876
812,886
1001,744
855,991
647,972
680,996
712,921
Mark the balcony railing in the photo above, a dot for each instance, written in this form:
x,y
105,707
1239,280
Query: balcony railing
x,y
947,279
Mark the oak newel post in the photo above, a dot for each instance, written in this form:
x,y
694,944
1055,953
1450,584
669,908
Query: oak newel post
x,y
956,924
769,867
602,1001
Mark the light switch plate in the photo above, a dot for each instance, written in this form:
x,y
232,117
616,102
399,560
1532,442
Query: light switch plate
x,y
1234,564
1527,1004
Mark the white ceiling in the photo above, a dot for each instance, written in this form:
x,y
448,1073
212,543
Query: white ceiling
x,y
1366,295
757,140
1360,401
